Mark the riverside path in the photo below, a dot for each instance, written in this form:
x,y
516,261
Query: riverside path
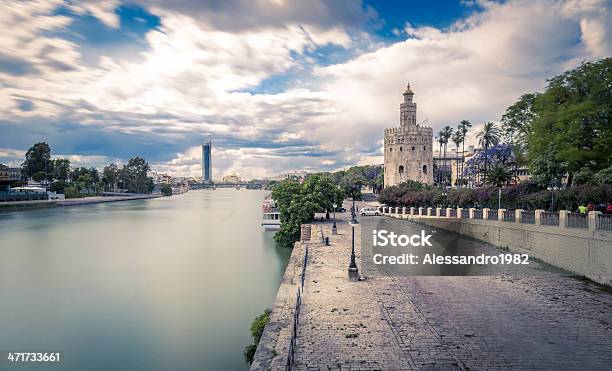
x,y
542,321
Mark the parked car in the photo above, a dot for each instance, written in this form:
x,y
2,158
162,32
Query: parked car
x,y
370,211
340,209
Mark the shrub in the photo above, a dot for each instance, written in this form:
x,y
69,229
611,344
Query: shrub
x,y
257,329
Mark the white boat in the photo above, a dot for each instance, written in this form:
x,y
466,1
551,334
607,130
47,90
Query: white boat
x,y
271,215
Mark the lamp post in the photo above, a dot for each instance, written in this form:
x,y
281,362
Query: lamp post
x,y
352,269
334,228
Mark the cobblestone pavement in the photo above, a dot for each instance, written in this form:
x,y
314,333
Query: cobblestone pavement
x,y
543,321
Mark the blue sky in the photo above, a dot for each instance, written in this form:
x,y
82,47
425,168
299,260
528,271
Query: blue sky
x,y
281,85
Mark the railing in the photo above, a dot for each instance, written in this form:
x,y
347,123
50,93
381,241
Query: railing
x,y
303,275
604,222
573,220
293,340
528,217
548,218
296,315
577,220
492,214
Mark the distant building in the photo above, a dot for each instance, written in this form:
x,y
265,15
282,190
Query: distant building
x,y
207,162
9,174
232,178
408,148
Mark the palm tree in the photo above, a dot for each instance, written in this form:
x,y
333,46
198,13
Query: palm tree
x,y
489,135
498,175
440,139
457,139
464,127
447,132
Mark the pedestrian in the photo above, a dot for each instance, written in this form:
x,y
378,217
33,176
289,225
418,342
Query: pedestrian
x,y
609,209
591,206
582,209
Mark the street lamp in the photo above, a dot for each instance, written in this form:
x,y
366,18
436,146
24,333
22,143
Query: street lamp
x,y
334,228
352,269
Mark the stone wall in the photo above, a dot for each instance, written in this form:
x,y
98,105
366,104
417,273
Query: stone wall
x,y
586,252
274,346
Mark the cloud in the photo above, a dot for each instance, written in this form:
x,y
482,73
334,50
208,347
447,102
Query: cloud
x,y
203,67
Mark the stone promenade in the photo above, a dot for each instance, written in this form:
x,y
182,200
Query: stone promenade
x,y
543,320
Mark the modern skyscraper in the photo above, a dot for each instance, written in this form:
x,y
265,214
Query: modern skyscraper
x,y
207,162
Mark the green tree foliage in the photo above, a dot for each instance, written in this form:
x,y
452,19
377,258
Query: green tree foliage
x,y
257,329
498,175
166,190
135,176
110,176
38,161
517,124
298,202
61,169
571,125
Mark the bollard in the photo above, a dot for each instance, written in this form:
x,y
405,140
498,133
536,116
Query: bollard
x,y
326,241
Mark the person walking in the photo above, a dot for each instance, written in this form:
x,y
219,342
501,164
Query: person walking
x,y
582,209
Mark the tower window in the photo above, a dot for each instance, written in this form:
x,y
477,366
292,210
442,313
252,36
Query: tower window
x,y
413,148
390,149
401,169
423,148
424,169
400,148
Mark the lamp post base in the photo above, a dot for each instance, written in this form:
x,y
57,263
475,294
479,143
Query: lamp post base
x,y
334,230
353,274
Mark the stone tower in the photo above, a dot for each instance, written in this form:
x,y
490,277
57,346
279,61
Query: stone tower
x,y
408,148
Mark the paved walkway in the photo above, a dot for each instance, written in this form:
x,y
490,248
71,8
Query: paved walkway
x,y
546,321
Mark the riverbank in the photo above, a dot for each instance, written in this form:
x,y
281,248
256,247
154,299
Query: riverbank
x,y
542,319
40,204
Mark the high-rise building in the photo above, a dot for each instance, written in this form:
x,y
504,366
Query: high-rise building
x,y
408,148
207,162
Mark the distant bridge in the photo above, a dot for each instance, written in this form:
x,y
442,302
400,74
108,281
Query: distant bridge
x,y
225,185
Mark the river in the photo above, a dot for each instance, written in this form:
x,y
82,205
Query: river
x,y
163,284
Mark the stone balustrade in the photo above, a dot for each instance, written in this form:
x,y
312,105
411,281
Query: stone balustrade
x,y
580,243
592,219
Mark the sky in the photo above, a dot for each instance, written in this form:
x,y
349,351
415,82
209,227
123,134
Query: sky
x,y
280,85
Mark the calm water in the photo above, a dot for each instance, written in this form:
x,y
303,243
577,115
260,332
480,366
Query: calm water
x,y
164,284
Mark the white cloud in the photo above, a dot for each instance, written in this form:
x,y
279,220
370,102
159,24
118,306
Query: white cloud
x,y
191,80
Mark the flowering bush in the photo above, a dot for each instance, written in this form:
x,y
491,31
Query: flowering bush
x,y
526,195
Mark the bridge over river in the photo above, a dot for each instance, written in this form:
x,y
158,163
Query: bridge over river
x,y
541,319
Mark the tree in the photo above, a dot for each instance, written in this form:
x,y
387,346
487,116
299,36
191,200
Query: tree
x,y
446,133
166,190
517,123
61,169
457,138
137,180
299,202
488,136
38,161
571,124
498,175
440,139
110,176
464,127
